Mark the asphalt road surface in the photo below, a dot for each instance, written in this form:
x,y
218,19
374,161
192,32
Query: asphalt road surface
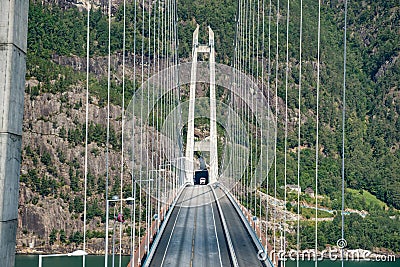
x,y
194,235
245,249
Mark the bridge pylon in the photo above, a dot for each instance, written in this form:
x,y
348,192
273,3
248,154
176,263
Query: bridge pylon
x,y
13,47
191,147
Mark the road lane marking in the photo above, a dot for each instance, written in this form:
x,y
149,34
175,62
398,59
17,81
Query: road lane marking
x,y
215,230
173,228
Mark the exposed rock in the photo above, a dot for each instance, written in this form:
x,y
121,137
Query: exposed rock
x,y
44,117
387,65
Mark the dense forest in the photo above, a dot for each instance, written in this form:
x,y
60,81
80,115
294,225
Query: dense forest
x,y
372,144
372,119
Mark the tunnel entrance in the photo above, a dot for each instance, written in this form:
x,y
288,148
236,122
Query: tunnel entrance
x,y
201,177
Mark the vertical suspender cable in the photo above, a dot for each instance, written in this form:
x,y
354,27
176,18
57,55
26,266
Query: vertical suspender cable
x,y
254,143
178,89
141,130
173,92
86,131
150,108
242,88
253,58
299,135
316,137
122,130
163,107
242,107
237,85
178,92
162,100
169,103
148,147
170,92
344,117
245,68
167,43
162,104
173,100
262,90
133,181
172,86
233,101
239,82
239,64
262,114
249,109
157,111
153,114
269,115
276,116
286,125
249,67
108,124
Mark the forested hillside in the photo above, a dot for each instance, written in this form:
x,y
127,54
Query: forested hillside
x,y
372,122
53,137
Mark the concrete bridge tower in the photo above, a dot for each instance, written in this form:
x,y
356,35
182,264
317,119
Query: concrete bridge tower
x,y
13,46
191,145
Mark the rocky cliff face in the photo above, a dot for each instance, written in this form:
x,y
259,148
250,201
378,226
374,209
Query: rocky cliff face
x,y
83,4
53,150
51,188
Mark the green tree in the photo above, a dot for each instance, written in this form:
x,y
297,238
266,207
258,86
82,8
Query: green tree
x,y
63,237
53,236
76,237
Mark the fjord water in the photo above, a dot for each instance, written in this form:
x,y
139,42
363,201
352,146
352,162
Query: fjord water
x,y
65,261
98,261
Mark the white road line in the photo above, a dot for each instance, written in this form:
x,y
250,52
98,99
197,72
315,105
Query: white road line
x,y
173,228
226,231
215,228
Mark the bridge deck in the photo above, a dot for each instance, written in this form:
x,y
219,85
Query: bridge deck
x,y
194,235
245,249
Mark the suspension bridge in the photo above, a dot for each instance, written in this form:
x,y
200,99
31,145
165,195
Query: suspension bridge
x,y
186,199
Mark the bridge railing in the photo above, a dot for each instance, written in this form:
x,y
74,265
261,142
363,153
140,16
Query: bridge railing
x,y
141,255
